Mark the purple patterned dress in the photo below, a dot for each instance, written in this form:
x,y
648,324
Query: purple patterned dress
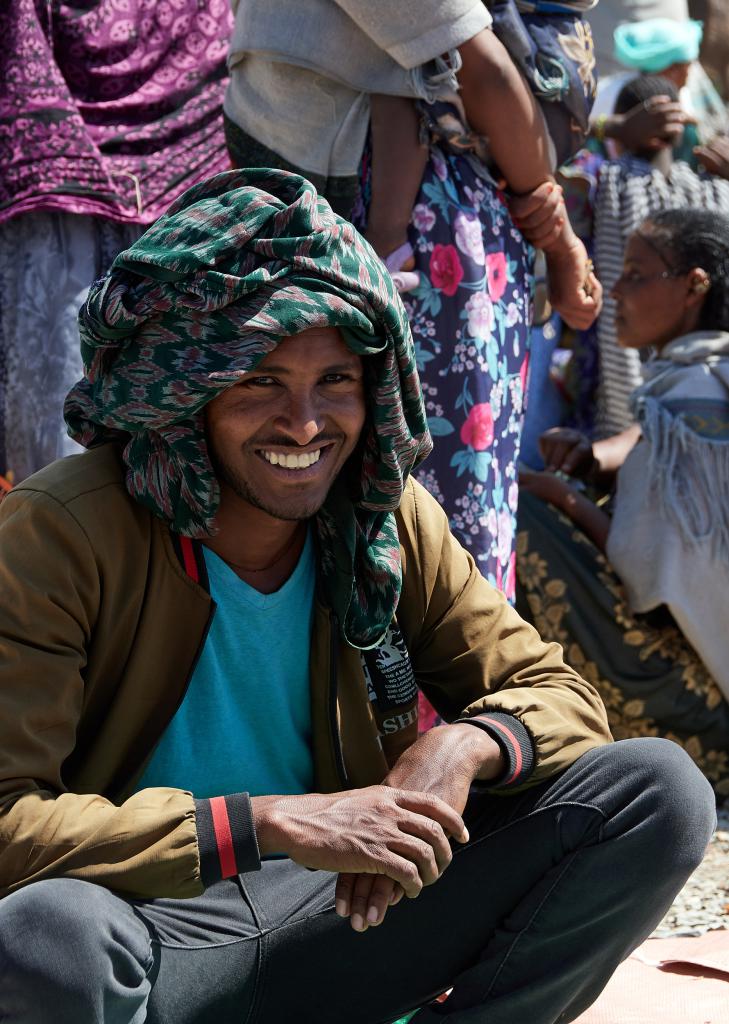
x,y
110,107
109,110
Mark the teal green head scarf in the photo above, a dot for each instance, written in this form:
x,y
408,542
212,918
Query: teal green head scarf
x,y
238,263
657,43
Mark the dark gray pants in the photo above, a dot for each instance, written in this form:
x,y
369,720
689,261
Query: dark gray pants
x,y
556,887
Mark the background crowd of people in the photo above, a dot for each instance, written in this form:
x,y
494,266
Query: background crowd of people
x,y
564,267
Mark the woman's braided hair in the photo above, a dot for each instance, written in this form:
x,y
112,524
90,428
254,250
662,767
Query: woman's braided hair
x,y
689,238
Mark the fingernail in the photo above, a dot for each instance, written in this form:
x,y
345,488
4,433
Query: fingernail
x,y
373,915
358,922
550,188
340,907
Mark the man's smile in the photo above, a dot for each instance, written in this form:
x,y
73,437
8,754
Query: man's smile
x,y
292,461
303,465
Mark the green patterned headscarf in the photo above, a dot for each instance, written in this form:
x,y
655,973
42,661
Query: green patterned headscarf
x,y
240,262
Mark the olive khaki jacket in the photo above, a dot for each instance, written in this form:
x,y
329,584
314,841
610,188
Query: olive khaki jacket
x,y
101,622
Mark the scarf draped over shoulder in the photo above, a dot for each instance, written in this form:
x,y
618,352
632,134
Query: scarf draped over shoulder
x,y
238,263
669,536
683,410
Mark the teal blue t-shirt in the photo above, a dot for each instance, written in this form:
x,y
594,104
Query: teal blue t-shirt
x,y
244,724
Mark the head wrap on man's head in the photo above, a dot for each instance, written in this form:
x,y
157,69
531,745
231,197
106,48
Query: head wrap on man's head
x,y
238,263
656,43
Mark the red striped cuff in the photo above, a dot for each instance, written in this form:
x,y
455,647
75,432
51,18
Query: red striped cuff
x,y
515,743
226,837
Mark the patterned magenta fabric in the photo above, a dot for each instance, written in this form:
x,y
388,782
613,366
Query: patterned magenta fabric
x,y
110,107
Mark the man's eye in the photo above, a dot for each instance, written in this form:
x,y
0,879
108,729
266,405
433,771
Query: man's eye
x,y
261,382
336,378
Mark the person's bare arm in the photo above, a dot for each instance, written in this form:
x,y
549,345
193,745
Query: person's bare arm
x,y
499,105
398,165
584,513
611,452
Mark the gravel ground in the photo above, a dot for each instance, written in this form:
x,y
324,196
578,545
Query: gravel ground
x,y
703,903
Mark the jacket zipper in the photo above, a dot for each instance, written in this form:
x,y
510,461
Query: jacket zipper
x,y
333,723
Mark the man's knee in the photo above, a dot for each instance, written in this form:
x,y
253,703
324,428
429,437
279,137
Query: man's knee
x,y
675,805
70,935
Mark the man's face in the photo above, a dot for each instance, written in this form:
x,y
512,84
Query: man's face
x,y
279,437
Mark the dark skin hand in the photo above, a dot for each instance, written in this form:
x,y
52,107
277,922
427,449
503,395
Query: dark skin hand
x,y
540,214
387,840
574,291
655,124
715,156
443,763
564,450
500,106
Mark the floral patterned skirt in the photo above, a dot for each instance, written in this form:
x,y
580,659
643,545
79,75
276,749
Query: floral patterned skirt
x,y
650,678
470,321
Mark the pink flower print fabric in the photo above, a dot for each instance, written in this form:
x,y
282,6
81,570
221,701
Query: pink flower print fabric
x,y
469,319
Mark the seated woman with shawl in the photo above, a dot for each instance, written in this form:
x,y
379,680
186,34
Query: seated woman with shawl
x,y
647,625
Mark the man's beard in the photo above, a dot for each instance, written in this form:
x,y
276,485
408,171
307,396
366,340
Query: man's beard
x,y
244,490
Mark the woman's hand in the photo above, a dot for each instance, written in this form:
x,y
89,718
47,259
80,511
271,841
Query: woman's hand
x,y
593,521
715,156
566,451
574,291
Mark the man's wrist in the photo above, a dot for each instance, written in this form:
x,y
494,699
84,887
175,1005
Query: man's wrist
x,y
269,825
481,752
226,837
514,741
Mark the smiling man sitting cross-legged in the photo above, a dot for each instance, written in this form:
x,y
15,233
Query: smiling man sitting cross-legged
x,y
214,624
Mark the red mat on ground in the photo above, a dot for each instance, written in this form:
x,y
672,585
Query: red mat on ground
x,y
668,981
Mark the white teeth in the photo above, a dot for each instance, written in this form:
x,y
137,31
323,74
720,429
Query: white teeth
x,y
292,461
